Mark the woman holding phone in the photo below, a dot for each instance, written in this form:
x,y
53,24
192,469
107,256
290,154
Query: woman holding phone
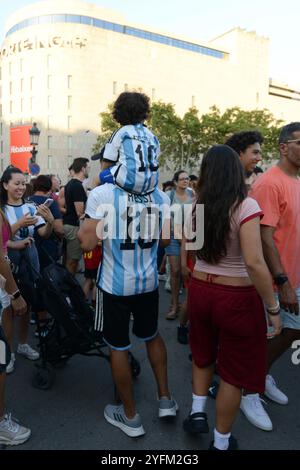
x,y
25,219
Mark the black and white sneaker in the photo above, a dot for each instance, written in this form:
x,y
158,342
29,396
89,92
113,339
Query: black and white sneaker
x,y
196,423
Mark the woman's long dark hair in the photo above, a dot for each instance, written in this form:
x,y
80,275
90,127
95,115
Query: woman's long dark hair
x,y
6,177
221,188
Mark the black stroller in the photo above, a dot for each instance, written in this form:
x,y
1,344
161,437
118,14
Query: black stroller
x,y
70,330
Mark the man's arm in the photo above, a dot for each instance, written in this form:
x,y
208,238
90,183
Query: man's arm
x,y
288,298
79,208
89,233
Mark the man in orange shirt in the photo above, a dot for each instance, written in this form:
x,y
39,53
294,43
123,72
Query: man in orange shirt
x,y
278,193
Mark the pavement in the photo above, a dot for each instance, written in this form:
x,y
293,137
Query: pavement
x,y
69,416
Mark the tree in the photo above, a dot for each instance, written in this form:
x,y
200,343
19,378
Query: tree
x,y
183,140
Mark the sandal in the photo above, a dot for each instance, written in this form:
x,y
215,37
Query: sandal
x,y
172,314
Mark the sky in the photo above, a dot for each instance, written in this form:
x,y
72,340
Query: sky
x,y
202,20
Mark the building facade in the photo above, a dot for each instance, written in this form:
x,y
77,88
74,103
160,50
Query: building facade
x,y
63,61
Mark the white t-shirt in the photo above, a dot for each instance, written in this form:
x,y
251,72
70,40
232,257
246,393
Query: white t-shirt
x,y
129,259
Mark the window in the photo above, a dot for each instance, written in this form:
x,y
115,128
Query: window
x,y
69,102
193,101
69,125
69,142
49,162
49,122
1,146
49,81
49,141
10,88
31,83
114,88
126,87
22,105
69,81
22,85
10,106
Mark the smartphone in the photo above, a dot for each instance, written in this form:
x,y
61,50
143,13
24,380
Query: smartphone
x,y
48,202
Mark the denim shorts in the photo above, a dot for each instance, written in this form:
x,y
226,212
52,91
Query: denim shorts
x,y
290,320
174,248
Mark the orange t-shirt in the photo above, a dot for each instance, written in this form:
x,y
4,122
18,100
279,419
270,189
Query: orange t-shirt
x,y
279,198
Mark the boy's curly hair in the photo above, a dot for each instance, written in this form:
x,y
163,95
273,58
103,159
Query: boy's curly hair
x,y
131,108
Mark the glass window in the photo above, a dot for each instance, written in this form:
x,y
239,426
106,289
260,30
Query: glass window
x,y
73,19
22,105
193,101
45,19
1,146
10,88
69,124
49,162
49,141
114,88
86,20
58,18
126,87
69,142
69,102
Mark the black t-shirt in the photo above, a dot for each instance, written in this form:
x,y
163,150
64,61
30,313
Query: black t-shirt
x,y
74,192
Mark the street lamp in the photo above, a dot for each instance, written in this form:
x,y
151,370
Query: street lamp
x,y
34,133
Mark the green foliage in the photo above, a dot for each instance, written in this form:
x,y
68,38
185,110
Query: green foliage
x,y
183,140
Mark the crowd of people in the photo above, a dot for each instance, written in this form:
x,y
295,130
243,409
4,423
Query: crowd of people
x,y
241,311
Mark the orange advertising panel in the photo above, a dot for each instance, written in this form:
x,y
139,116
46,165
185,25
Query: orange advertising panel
x,y
20,147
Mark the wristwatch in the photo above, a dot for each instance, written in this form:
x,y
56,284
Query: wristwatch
x,y
280,279
15,295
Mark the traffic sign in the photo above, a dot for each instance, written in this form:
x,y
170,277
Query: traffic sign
x,y
34,169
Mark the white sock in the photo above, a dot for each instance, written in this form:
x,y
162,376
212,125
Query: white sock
x,y
199,403
221,441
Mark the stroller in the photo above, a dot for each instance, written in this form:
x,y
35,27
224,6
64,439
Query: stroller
x,y
70,330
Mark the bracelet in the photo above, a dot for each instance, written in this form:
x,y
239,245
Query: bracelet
x,y
274,310
15,295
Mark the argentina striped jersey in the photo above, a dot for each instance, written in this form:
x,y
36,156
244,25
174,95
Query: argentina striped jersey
x,y
15,213
135,150
130,239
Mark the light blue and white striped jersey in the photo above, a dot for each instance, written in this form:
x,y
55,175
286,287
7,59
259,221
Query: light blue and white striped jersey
x,y
15,213
132,228
135,150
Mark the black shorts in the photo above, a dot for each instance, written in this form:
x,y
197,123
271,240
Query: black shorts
x,y
91,273
4,352
116,318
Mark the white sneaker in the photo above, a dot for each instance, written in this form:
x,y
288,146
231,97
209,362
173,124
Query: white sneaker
x,y
167,407
251,406
11,365
11,433
273,392
28,352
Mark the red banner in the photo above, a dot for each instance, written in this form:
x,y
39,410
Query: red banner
x,y
20,147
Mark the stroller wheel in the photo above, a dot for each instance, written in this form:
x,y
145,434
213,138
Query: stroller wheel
x,y
134,365
44,377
